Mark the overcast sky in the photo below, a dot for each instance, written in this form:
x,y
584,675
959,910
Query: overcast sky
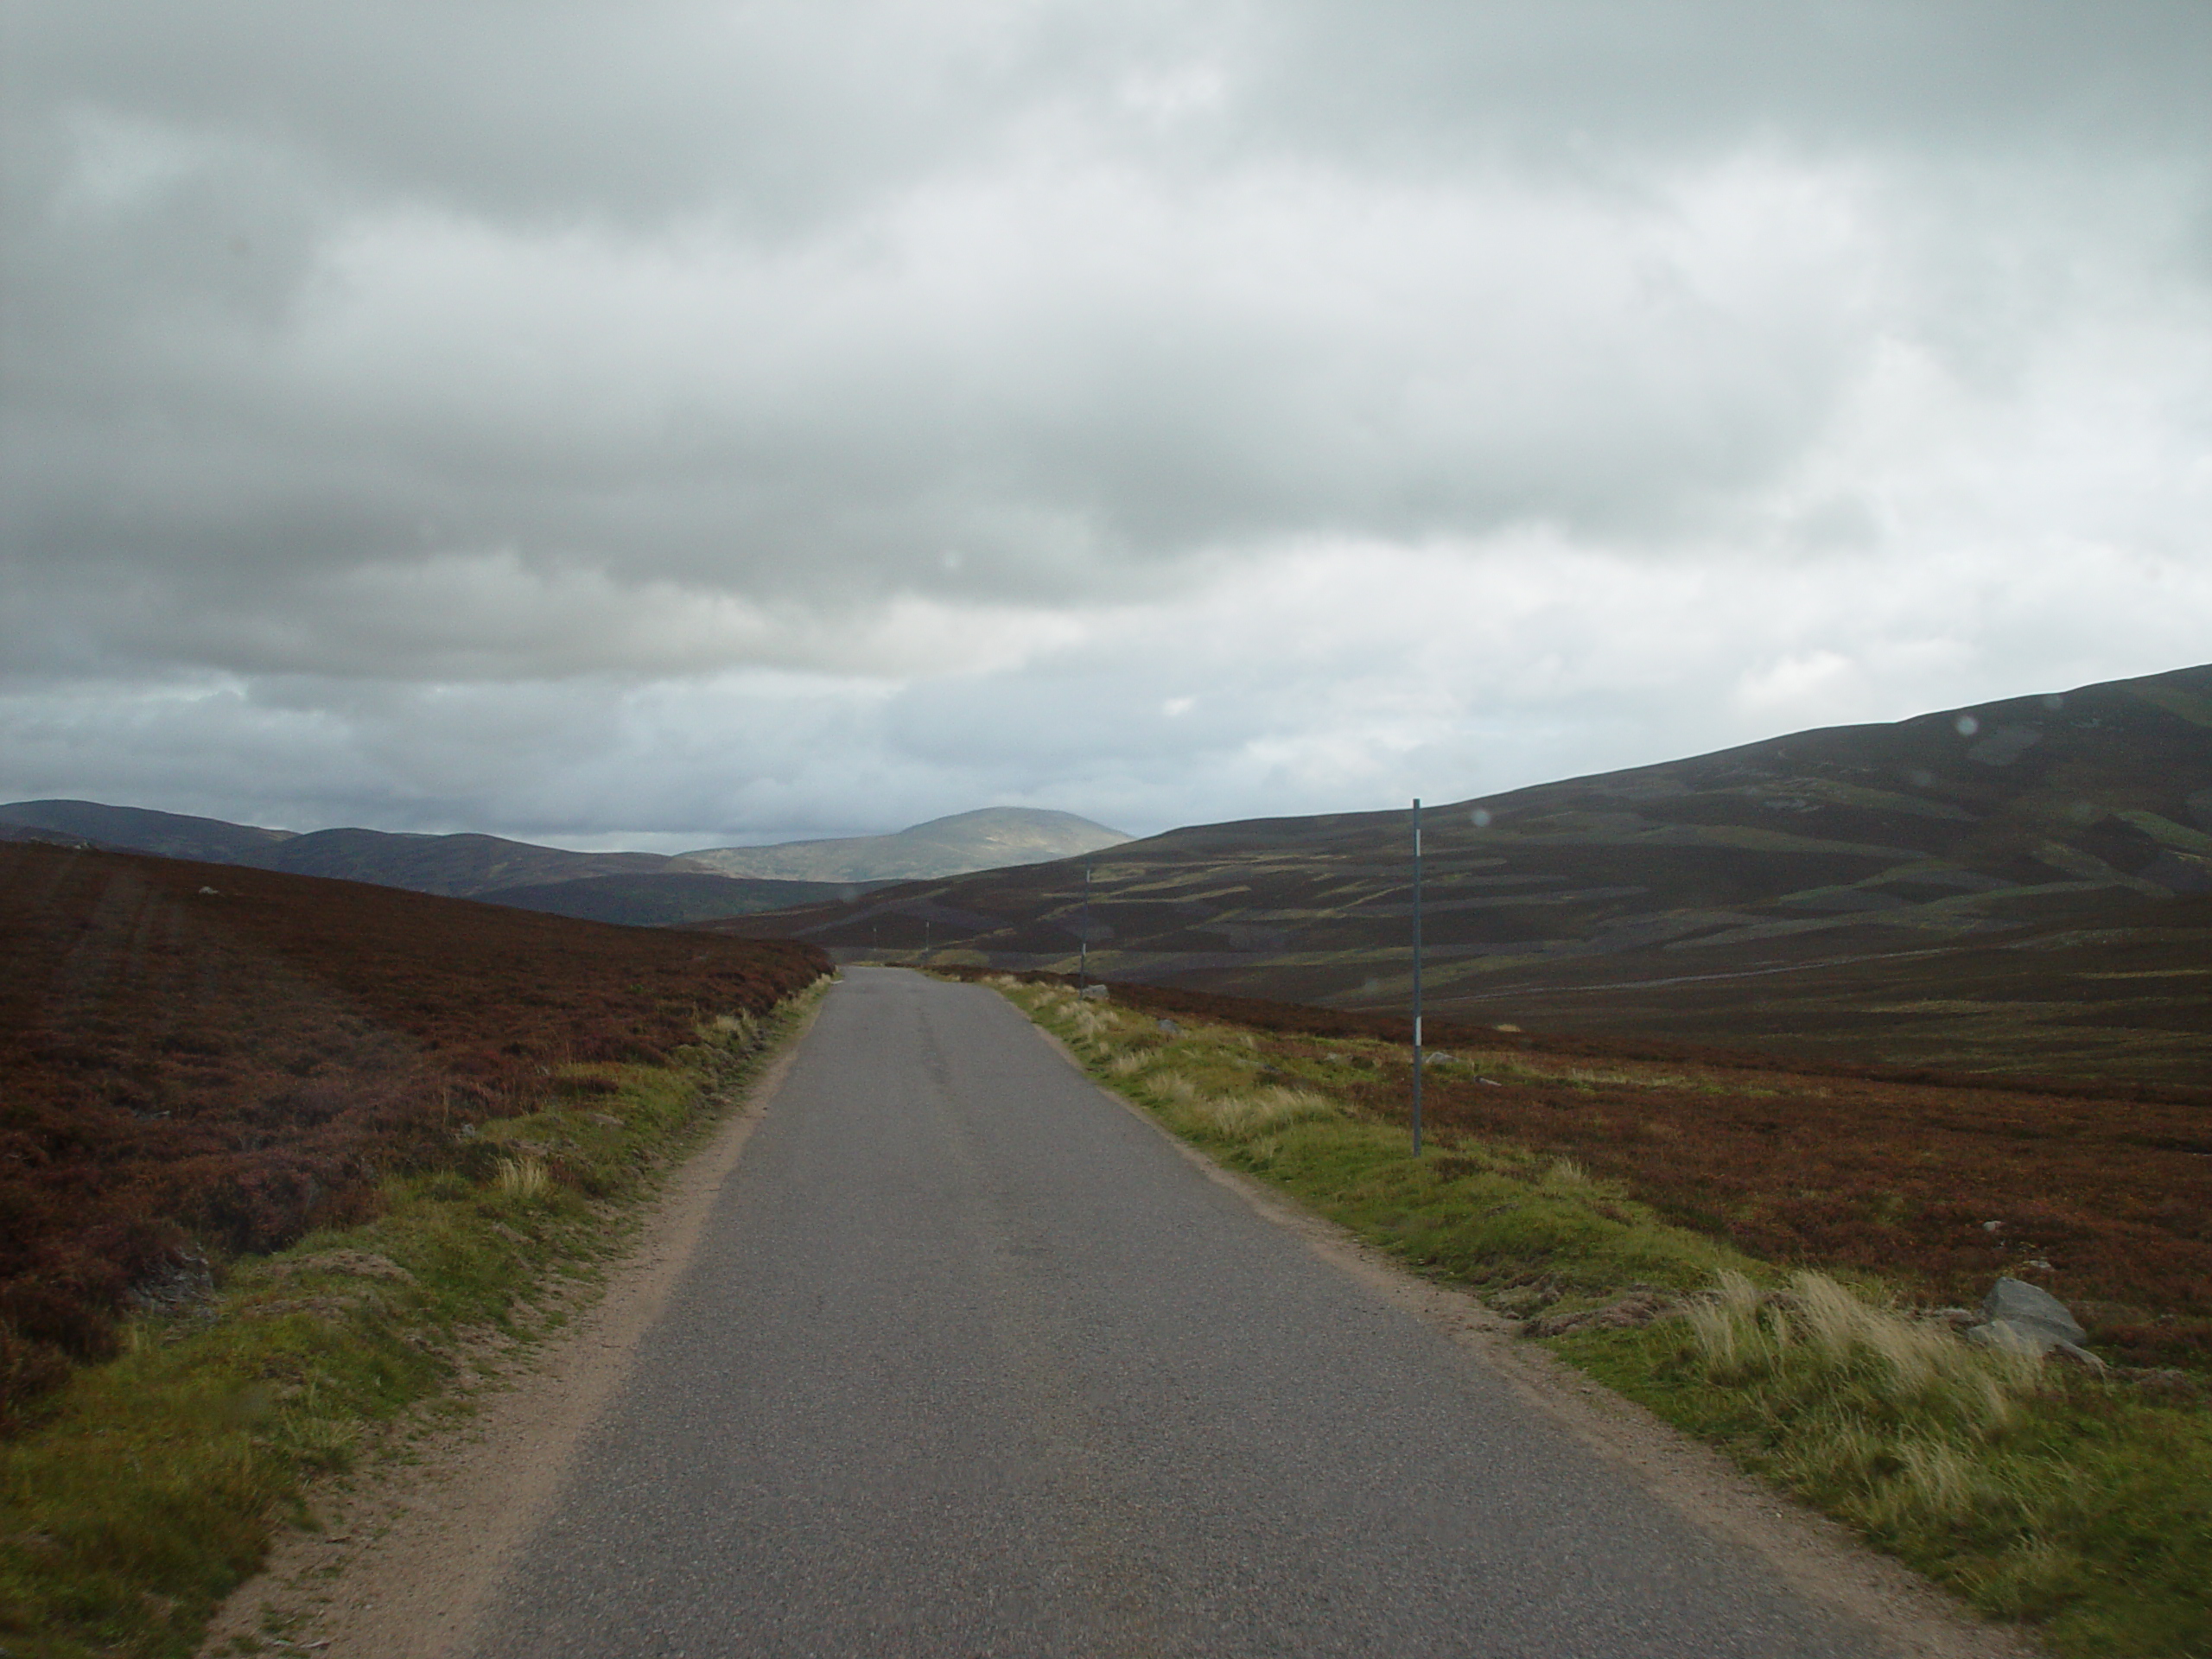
x,y
664,425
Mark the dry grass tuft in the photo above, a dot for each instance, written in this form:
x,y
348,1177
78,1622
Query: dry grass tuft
x,y
1896,1366
1265,1111
525,1178
1174,1087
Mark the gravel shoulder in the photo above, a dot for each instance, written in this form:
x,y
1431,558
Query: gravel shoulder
x,y
406,1553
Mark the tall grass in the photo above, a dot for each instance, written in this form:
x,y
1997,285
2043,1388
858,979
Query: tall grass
x,y
2038,1494
2075,1504
1911,1381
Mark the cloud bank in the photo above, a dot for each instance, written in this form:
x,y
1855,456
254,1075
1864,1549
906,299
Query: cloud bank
x,y
667,423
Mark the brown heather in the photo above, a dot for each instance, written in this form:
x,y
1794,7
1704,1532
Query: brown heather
x,y
1851,1167
183,1070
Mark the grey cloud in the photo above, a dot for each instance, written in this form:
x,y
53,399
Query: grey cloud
x,y
1569,80
1087,424
428,403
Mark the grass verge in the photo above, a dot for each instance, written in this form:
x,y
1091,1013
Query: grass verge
x,y
2077,1504
152,1484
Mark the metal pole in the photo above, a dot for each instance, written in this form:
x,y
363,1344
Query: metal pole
x,y
1082,960
1417,1054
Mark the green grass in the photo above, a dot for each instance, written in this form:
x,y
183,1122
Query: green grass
x,y
2036,1494
2077,1505
152,1484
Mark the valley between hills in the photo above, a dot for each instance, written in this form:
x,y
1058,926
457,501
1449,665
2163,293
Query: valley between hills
x,y
1915,1005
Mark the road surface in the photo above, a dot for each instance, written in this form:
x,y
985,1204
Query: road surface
x,y
972,1360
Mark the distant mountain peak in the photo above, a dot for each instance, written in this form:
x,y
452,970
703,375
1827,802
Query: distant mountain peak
x,y
988,838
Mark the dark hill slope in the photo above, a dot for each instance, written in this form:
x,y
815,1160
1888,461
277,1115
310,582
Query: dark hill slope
x,y
138,829
1766,884
458,865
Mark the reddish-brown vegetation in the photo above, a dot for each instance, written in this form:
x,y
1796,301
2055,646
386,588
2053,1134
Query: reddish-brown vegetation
x,y
2104,1197
194,1052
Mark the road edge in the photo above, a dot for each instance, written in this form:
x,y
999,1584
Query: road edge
x,y
1820,1559
411,1556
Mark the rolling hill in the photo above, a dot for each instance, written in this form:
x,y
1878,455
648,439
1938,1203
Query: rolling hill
x,y
2018,886
994,837
459,866
139,829
639,888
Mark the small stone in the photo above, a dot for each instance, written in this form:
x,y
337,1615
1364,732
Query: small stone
x,y
1093,994
1168,1028
1489,1083
209,892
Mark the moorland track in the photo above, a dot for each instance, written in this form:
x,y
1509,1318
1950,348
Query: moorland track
x,y
970,1360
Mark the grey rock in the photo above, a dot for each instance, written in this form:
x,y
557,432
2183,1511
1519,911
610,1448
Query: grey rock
x,y
1093,994
2028,1306
2026,1319
1169,1028
2069,1354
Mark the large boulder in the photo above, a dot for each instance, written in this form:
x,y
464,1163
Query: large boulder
x,y
2027,1319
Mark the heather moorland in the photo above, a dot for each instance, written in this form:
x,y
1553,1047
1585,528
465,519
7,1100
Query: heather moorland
x,y
202,1063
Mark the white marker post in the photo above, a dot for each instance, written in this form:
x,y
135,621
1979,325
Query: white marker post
x,y
1417,1058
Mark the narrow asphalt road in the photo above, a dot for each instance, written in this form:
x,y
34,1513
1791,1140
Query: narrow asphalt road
x,y
971,1362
